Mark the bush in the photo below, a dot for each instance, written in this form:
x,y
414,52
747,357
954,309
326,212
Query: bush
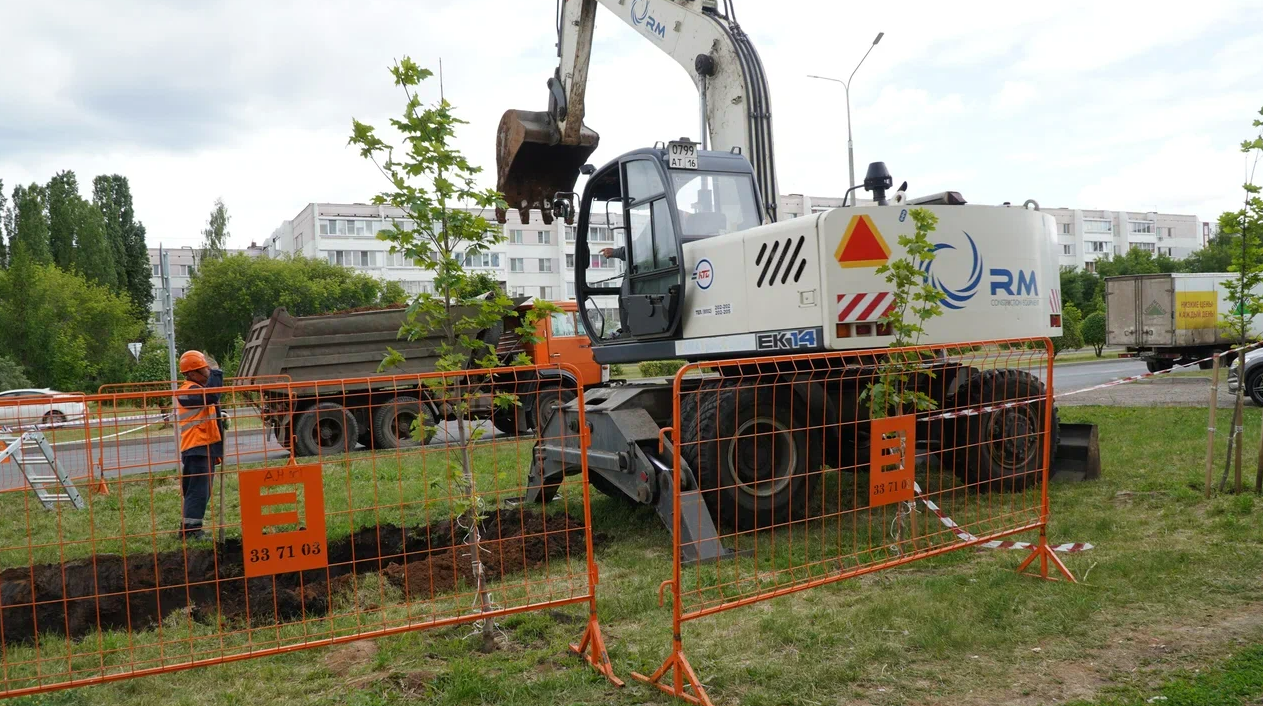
x,y
660,368
1069,339
1093,331
12,376
616,369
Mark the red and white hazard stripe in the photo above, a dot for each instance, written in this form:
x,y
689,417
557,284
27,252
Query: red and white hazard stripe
x,y
864,307
1054,298
964,535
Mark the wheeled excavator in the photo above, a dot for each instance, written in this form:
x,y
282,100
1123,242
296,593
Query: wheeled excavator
x,y
713,274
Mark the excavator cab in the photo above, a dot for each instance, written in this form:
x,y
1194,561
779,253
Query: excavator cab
x,y
644,206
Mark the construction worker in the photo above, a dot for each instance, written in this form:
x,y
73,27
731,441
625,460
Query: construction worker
x,y
198,419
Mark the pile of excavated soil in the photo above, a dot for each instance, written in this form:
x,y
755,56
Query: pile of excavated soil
x,y
112,592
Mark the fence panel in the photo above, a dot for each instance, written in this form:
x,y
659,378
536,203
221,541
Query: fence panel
x,y
341,510
818,468
63,420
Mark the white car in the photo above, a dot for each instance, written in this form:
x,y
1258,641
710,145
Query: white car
x,y
30,407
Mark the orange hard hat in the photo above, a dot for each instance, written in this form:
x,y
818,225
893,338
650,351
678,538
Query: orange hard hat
x,y
192,360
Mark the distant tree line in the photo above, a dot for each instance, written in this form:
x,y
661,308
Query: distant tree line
x,y
74,281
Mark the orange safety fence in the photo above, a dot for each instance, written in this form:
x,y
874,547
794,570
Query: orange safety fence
x,y
63,420
337,510
812,469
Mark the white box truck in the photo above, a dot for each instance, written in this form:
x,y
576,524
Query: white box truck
x,y
1171,318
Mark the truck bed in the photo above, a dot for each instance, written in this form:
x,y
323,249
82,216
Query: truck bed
x,y
339,346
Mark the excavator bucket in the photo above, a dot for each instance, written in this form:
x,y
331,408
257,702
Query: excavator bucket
x,y
1078,454
533,165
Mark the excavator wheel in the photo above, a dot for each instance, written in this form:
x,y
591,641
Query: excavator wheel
x,y
1001,449
749,450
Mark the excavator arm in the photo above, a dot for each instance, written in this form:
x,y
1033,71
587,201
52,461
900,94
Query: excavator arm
x,y
539,153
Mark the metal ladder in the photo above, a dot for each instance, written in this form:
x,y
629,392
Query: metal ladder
x,y
20,449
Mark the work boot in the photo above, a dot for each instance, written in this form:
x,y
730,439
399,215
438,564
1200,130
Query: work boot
x,y
191,532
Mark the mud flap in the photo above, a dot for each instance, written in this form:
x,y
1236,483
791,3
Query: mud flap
x,y
1078,454
533,165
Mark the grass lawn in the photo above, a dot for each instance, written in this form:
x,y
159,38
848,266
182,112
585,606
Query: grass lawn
x,y
1174,585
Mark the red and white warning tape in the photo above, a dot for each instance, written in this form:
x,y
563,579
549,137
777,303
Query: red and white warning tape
x,y
965,535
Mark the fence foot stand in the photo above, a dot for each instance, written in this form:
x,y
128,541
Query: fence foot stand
x,y
592,649
680,670
1046,555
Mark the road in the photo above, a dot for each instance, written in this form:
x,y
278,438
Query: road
x,y
156,452
1074,376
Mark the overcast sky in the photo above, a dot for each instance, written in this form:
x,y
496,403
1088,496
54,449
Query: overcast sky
x,y
1098,104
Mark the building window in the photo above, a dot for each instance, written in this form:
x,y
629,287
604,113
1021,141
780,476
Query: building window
x,y
1141,227
570,234
1089,266
1065,229
569,261
324,226
1096,246
570,290
600,262
544,237
157,270
1097,227
1164,251
482,259
394,259
545,264
517,264
1148,247
600,234
515,236
298,243
1067,249
517,291
545,292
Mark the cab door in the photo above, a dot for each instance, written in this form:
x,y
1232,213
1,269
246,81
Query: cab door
x,y
567,343
654,284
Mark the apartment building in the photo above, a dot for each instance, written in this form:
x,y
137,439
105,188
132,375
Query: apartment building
x,y
535,259
1086,236
184,262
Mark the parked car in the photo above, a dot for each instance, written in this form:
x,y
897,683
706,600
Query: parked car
x,y
1253,376
29,407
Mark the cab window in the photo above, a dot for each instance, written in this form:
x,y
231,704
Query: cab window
x,y
563,325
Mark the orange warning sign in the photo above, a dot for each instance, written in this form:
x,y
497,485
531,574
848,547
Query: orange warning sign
x,y
291,537
862,245
892,460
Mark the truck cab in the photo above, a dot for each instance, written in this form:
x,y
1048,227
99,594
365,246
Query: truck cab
x,y
561,339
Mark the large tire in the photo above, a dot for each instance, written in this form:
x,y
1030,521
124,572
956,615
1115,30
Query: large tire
x,y
547,400
1001,449
749,449
1254,385
1158,365
392,423
327,428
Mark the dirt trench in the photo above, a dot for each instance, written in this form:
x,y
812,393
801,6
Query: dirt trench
x,y
136,592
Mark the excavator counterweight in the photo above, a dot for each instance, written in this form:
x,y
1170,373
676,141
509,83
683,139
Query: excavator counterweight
x,y
534,165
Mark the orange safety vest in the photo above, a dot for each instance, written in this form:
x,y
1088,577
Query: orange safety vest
x,y
199,426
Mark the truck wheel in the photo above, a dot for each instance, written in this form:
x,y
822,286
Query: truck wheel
x,y
1001,449
1254,386
1205,364
547,401
748,448
393,420
1155,366
327,428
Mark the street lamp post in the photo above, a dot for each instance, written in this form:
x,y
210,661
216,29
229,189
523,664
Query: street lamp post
x,y
846,86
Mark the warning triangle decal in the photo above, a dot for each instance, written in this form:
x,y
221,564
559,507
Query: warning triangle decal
x,y
862,245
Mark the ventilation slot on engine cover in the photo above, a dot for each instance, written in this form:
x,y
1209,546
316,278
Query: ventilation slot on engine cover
x,y
781,260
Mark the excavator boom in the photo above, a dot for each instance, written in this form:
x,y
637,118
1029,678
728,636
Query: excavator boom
x,y
539,153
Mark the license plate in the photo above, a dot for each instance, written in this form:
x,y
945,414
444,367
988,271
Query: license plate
x,y
683,155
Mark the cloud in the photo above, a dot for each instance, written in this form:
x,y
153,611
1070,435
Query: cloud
x,y
1091,102
1014,96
